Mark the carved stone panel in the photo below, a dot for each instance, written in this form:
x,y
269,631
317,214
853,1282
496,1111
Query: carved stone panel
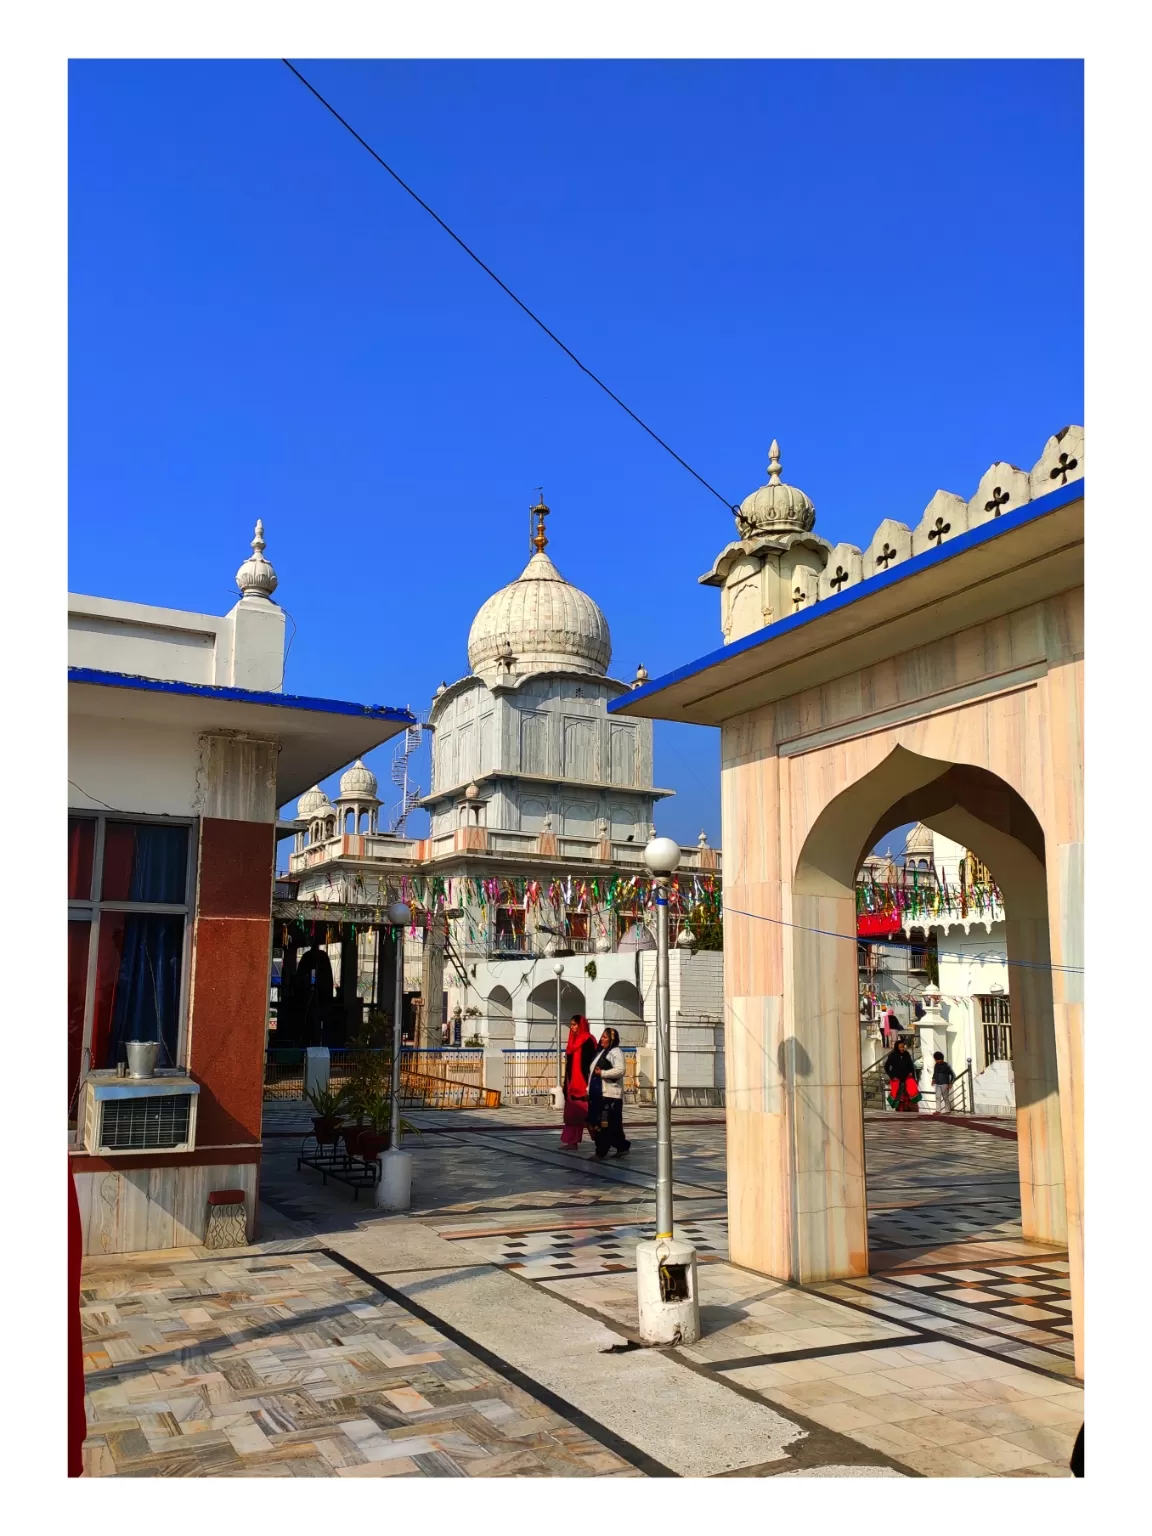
x,y
945,516
1002,489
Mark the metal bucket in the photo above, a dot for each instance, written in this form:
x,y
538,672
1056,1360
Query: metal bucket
x,y
142,1057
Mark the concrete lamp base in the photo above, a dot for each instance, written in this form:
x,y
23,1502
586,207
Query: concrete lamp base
x,y
666,1292
394,1190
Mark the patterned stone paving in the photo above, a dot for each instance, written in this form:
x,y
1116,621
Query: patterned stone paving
x,y
291,1366
1021,1310
934,1405
953,1358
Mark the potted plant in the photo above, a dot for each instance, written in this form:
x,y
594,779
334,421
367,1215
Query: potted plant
x,y
328,1103
374,1138
375,1135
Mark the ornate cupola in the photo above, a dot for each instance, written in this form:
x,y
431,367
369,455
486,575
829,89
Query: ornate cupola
x,y
774,568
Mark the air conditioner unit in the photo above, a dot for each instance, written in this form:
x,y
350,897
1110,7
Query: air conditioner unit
x,y
123,1115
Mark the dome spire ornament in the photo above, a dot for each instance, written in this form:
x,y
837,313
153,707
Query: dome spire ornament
x,y
539,539
256,578
774,463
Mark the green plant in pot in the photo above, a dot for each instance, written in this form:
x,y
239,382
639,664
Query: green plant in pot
x,y
377,1133
328,1102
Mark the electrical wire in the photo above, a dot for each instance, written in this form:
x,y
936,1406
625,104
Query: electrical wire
x,y
535,318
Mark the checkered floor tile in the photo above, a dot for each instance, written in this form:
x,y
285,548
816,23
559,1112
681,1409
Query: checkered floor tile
x,y
589,1250
1018,1309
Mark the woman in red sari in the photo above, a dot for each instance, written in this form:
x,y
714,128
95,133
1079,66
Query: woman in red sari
x,y
577,1064
903,1080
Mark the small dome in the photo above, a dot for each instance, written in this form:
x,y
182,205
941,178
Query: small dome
x,y
775,507
539,622
358,782
919,840
637,938
313,802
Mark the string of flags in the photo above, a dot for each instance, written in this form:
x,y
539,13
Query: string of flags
x,y
692,896
933,898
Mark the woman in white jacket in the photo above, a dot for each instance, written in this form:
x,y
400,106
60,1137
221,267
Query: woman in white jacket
x,y
606,1100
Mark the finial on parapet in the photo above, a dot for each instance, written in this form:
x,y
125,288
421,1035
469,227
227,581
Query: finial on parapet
x,y
256,578
539,512
702,840
641,676
774,463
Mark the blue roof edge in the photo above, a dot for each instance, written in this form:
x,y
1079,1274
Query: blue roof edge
x,y
971,539
381,712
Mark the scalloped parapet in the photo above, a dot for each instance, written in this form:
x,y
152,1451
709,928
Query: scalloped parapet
x,y
779,567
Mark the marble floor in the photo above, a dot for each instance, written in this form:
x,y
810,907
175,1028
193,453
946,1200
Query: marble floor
x,y
952,1358
288,1365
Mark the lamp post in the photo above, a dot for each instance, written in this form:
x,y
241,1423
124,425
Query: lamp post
x,y
666,1267
558,1091
394,1188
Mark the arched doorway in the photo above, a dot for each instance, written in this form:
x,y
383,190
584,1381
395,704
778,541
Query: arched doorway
x,y
819,1059
501,1030
542,1013
624,1011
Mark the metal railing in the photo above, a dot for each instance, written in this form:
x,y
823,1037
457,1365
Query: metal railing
x,y
458,1071
284,1074
531,1074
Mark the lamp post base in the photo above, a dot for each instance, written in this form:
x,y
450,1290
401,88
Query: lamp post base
x,y
666,1292
394,1190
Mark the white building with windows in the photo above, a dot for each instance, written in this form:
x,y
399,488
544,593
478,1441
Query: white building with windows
x,y
967,1011
535,786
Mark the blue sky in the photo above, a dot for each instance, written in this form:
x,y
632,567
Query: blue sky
x,y
879,263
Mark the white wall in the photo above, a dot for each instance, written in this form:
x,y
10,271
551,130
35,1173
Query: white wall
x,y
242,649
971,962
696,987
134,767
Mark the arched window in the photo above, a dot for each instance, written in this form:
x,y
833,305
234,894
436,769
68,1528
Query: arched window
x,y
624,1011
542,1013
500,1026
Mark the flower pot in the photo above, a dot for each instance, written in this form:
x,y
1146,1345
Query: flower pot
x,y
371,1144
326,1129
350,1135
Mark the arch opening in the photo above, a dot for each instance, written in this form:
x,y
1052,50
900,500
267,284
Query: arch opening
x,y
501,1029
820,1058
542,1013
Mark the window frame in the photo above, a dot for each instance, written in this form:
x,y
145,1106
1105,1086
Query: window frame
x,y
89,910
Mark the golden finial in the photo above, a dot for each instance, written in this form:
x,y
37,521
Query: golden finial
x,y
539,512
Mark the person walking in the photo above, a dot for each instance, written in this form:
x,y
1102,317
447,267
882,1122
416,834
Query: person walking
x,y
942,1079
577,1069
606,1097
903,1087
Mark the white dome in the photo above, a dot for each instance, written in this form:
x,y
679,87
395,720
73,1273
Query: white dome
x,y
313,802
358,782
919,840
775,507
539,622
638,937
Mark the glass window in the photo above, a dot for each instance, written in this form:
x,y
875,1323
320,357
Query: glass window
x,y
81,848
138,967
145,862
79,932
125,957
